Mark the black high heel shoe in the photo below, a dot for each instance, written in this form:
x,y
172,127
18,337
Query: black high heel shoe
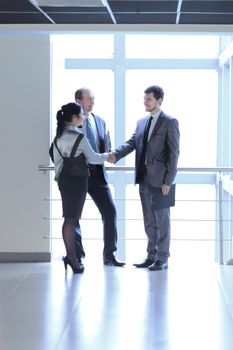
x,y
75,269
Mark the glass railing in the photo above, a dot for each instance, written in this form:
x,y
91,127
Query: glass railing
x,y
203,211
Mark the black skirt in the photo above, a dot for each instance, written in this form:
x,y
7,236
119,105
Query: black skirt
x,y
73,191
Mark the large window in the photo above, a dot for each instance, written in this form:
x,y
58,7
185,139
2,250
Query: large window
x,y
191,97
171,46
118,67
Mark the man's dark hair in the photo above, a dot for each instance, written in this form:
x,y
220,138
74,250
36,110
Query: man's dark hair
x,y
156,90
79,93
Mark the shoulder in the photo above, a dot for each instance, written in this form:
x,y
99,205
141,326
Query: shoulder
x,y
167,119
98,118
83,141
80,133
142,120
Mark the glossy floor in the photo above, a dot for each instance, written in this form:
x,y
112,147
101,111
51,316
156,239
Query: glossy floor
x,y
187,307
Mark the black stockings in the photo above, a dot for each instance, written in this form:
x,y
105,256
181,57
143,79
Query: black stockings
x,y
68,234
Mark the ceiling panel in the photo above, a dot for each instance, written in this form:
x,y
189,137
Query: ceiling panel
x,y
78,15
16,5
23,18
94,18
143,6
207,6
71,10
124,11
146,18
206,19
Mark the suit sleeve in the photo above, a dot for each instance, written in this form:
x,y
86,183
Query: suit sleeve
x,y
91,156
173,138
125,149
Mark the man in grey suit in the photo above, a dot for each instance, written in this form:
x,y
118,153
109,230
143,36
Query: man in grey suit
x,y
156,141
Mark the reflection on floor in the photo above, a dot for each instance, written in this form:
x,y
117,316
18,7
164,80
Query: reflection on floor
x,y
187,307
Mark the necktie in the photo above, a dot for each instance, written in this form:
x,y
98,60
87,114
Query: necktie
x,y
90,135
146,133
142,165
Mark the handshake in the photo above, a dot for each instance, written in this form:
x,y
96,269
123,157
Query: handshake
x,y
111,157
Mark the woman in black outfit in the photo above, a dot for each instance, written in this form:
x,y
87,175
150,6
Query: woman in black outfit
x,y
72,175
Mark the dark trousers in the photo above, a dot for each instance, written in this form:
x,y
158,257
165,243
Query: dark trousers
x,y
100,192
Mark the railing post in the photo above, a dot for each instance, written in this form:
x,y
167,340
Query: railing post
x,y
220,209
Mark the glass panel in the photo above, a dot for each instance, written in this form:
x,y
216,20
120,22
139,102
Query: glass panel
x,y
225,41
83,45
171,46
196,204
191,97
192,223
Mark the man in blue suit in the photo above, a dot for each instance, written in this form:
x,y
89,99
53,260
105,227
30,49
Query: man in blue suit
x,y
95,129
156,141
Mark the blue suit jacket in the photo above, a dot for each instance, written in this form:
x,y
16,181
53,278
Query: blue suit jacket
x,y
104,140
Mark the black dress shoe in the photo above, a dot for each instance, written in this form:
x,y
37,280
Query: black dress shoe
x,y
158,265
113,262
146,263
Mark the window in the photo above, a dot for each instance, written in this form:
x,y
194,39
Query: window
x,y
171,46
190,95
119,79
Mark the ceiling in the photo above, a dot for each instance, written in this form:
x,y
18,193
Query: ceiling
x,y
119,12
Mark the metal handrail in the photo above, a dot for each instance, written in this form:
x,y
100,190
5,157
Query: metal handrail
x,y
217,170
131,168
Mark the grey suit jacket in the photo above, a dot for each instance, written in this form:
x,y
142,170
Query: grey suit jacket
x,y
162,150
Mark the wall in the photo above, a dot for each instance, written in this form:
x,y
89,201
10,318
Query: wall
x,y
24,143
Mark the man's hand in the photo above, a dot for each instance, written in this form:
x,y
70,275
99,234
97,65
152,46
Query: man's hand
x,y
165,189
111,158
